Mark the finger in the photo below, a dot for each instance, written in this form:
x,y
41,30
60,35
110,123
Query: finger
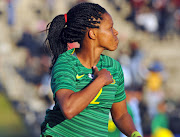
x,y
112,80
95,69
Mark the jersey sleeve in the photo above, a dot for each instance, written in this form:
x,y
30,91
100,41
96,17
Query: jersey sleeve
x,y
63,77
120,94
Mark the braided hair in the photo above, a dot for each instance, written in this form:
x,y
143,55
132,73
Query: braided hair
x,y
79,18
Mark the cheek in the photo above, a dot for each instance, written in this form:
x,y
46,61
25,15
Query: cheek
x,y
103,39
106,39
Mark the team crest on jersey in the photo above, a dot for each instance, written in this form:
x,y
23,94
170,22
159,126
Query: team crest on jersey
x,y
91,76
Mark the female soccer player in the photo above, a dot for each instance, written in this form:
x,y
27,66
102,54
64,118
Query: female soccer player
x,y
86,84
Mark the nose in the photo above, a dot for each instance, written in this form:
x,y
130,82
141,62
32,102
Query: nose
x,y
115,32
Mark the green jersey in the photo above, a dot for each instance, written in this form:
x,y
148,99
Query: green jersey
x,y
69,73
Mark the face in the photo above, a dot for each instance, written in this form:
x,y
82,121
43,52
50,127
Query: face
x,y
106,34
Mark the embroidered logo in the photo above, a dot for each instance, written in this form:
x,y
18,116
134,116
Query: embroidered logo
x,y
91,76
78,77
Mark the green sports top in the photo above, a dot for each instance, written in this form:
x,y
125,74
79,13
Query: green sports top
x,y
69,73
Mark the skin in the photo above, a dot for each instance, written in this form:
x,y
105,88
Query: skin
x,y
96,40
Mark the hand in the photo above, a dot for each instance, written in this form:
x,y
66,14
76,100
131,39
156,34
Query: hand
x,y
104,74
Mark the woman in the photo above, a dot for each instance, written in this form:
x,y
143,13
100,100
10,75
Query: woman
x,y
86,84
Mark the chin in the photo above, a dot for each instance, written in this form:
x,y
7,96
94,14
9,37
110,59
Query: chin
x,y
113,49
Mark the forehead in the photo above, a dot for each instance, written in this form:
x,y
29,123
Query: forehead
x,y
107,19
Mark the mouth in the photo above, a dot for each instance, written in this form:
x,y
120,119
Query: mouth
x,y
117,40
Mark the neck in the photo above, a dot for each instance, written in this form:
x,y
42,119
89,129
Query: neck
x,y
89,54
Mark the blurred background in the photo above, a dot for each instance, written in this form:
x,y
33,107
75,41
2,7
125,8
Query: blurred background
x,y
149,34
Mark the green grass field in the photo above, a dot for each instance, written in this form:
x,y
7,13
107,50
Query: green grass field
x,y
11,124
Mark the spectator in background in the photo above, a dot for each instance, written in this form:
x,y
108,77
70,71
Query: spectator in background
x,y
162,14
44,87
134,70
147,20
33,43
125,62
30,42
154,90
160,120
138,70
174,18
136,5
155,16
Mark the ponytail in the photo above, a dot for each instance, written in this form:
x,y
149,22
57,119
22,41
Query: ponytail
x,y
54,41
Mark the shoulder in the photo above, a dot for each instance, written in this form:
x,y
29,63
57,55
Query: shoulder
x,y
110,62
66,56
65,61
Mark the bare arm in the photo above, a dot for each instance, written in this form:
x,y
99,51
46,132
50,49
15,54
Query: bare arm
x,y
72,103
122,119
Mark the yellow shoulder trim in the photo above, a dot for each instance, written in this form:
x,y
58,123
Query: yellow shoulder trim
x,y
73,51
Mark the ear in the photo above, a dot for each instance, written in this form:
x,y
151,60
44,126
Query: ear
x,y
92,34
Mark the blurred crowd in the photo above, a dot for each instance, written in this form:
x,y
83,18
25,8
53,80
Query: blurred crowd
x,y
158,17
144,84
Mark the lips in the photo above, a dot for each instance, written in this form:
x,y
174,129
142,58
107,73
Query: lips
x,y
117,40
